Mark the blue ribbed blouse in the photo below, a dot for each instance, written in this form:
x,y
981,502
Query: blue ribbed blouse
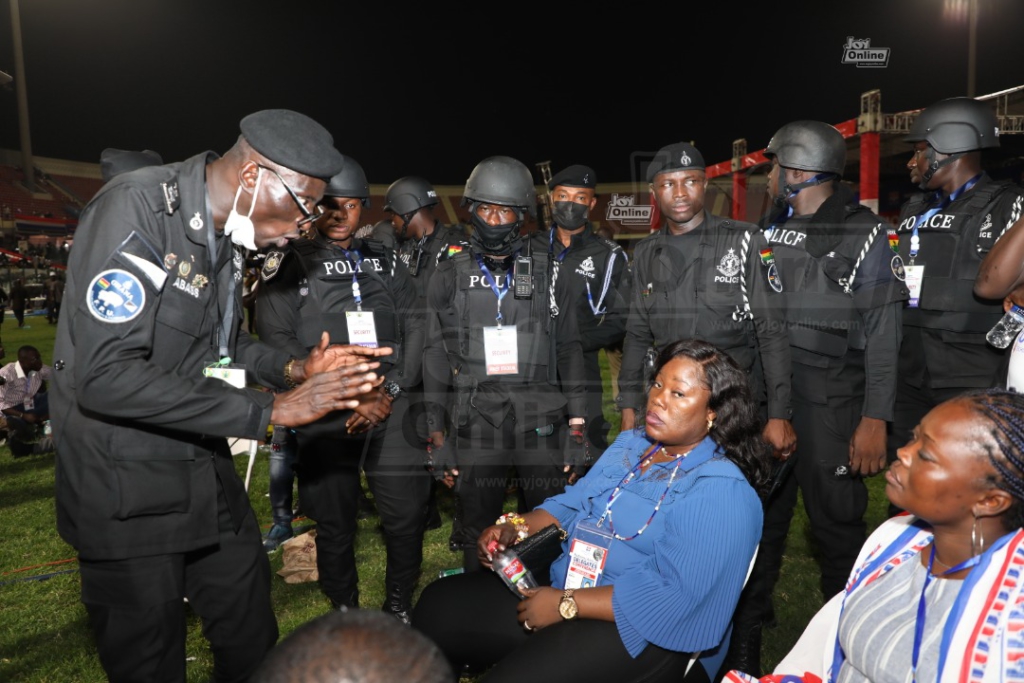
x,y
678,583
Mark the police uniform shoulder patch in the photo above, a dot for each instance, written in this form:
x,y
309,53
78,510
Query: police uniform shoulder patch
x,y
271,265
115,296
896,264
772,269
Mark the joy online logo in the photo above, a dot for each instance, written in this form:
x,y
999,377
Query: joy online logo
x,y
623,208
859,51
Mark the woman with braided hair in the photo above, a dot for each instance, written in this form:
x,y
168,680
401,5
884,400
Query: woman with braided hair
x,y
937,593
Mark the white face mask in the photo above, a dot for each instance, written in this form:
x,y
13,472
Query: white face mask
x,y
238,227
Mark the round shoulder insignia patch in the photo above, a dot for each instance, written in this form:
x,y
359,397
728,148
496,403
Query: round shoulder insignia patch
x,y
897,268
116,296
271,265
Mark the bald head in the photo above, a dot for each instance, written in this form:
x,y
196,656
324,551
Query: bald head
x,y
356,646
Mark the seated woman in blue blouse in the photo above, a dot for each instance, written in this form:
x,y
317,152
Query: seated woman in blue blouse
x,y
661,532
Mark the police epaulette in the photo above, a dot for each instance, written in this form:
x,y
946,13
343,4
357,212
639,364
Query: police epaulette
x,y
304,246
374,246
159,186
610,244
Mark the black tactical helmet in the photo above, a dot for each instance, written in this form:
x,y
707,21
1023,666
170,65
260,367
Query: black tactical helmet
x,y
503,181
409,194
955,125
809,146
349,182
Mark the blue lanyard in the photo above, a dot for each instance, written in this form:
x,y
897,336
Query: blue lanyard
x,y
356,268
499,292
915,239
551,247
922,603
597,310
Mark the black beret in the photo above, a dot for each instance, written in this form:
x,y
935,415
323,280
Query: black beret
x,y
576,175
679,156
117,161
293,140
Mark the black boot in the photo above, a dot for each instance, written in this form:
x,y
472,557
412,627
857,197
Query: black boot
x,y
347,601
405,557
434,520
744,649
399,603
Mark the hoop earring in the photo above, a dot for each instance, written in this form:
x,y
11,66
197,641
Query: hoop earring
x,y
977,539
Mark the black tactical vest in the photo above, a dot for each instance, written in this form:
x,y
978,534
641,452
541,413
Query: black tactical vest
x,y
476,307
954,242
329,274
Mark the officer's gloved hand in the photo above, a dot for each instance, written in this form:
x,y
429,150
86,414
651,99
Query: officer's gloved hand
x,y
441,460
578,458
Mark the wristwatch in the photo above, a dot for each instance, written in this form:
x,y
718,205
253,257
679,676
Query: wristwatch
x,y
391,389
567,607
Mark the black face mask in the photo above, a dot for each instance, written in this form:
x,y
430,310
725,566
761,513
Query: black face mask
x,y
570,215
493,239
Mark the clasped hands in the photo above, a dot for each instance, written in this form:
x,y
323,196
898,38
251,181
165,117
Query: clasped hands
x,y
338,377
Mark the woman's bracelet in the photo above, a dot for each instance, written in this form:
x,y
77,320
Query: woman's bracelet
x,y
516,520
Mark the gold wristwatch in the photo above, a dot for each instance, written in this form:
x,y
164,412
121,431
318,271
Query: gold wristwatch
x,y
567,607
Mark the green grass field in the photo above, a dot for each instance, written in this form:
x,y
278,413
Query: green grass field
x,y
44,636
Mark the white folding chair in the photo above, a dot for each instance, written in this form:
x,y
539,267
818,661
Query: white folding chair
x,y
750,568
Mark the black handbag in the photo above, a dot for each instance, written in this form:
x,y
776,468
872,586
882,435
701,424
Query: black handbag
x,y
537,551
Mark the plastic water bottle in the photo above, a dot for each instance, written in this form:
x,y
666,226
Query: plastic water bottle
x,y
511,569
1005,331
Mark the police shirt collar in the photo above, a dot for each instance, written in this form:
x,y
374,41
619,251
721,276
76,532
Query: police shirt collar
x,y
665,232
577,239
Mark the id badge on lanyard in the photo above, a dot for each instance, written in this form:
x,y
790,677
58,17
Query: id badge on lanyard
x,y
362,331
501,350
588,555
233,375
915,278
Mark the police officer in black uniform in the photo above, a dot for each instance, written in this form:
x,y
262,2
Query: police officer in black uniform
x,y
844,292
594,272
711,278
423,243
945,232
515,362
147,491
358,291
702,276
423,240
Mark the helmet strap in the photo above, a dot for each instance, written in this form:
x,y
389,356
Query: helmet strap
x,y
934,165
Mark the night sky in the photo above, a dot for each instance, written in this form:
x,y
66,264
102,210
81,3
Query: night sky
x,y
432,91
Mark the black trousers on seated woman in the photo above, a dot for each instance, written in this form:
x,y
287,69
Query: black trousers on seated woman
x,y
472,618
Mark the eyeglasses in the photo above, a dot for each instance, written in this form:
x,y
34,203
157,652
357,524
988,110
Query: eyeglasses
x,y
308,216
